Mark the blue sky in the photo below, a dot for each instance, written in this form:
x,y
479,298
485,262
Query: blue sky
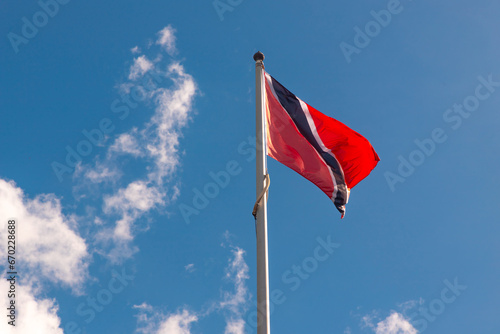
x,y
155,99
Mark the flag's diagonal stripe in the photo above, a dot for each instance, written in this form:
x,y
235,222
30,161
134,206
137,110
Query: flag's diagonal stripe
x,y
324,149
316,151
292,105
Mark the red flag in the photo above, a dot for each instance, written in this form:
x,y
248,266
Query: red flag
x,y
321,149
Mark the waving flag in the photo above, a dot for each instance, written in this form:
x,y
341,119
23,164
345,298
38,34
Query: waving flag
x,y
323,150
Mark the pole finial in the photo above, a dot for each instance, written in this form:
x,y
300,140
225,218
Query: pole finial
x,y
259,56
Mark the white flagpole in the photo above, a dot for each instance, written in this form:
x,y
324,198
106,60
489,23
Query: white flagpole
x,y
261,215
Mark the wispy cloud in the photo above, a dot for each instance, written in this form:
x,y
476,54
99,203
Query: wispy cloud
x,y
140,67
395,323
155,144
235,303
166,38
190,268
126,143
99,174
153,322
136,198
232,305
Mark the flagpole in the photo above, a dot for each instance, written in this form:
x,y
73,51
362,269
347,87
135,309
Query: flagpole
x,y
261,214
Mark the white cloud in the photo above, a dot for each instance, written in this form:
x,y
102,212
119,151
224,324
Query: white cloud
x,y
98,174
178,323
151,322
235,303
35,315
101,174
395,323
406,306
161,135
367,320
140,66
136,198
190,268
166,38
235,326
130,204
51,248
126,143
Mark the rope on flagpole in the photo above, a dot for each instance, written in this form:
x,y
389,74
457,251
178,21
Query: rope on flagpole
x,y
264,191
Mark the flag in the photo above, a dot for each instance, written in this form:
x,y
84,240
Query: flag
x,y
323,150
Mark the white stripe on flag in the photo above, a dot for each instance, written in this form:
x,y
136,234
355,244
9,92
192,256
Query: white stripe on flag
x,y
315,133
321,144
